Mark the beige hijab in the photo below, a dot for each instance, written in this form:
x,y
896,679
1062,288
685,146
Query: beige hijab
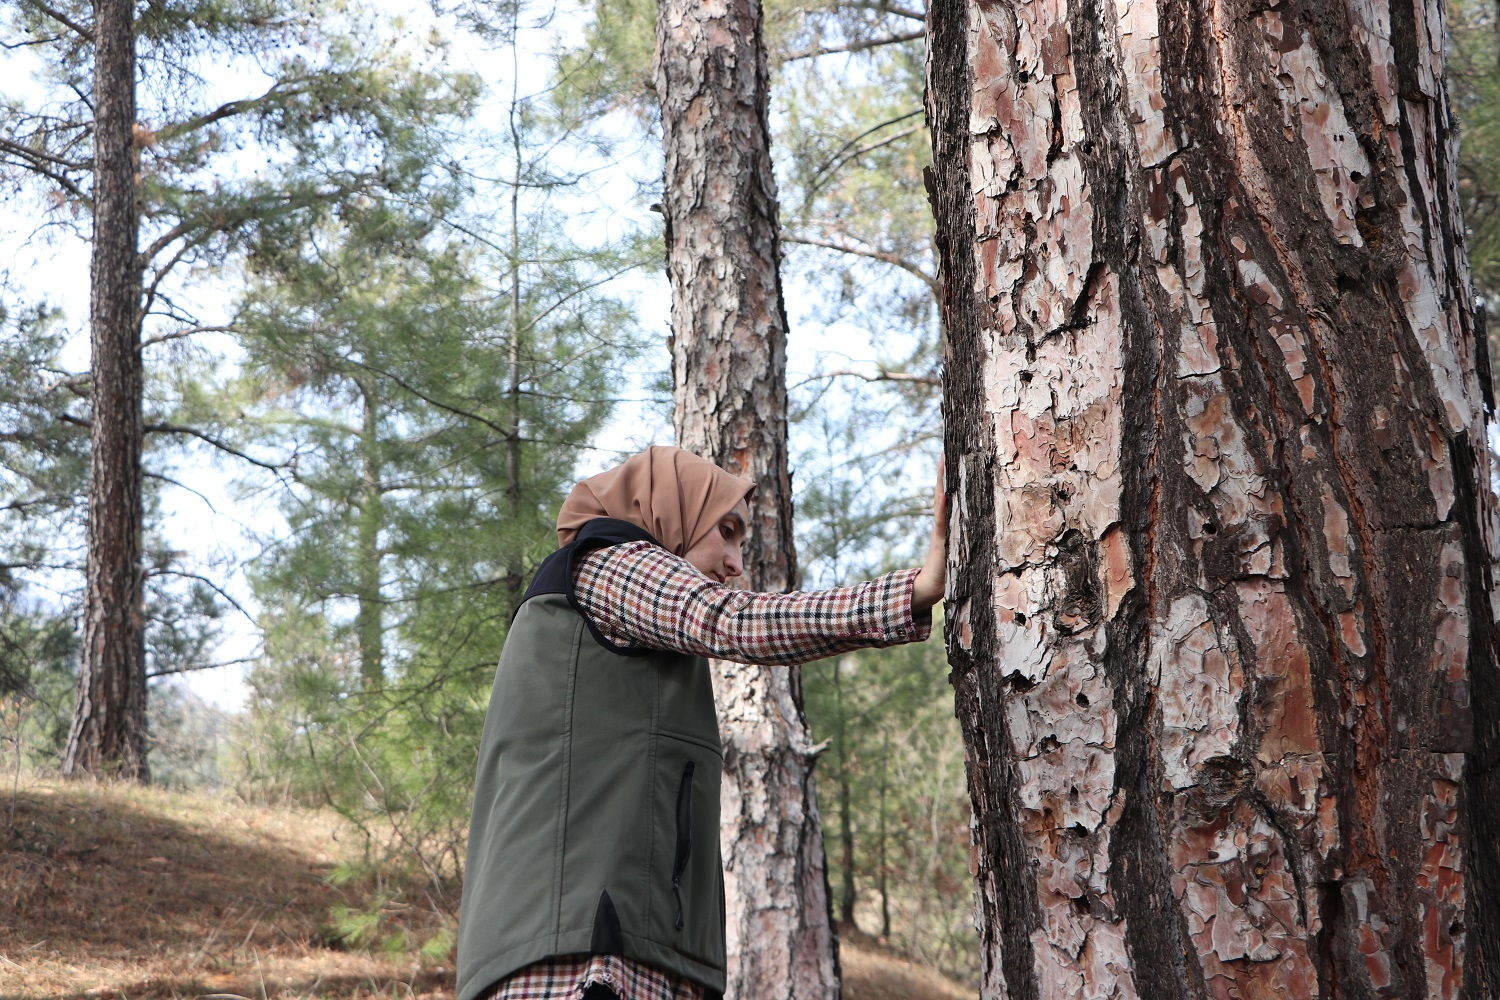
x,y
672,493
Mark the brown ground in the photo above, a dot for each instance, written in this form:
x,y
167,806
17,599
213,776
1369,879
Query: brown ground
x,y
875,972
141,894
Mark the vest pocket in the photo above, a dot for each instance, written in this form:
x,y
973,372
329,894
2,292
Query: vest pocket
x,y
684,835
683,878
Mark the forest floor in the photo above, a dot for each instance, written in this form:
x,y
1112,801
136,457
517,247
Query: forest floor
x,y
142,894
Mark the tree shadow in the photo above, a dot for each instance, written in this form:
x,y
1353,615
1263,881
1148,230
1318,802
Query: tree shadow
x,y
104,892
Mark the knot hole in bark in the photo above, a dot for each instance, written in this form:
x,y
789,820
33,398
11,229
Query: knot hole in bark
x,y
1078,604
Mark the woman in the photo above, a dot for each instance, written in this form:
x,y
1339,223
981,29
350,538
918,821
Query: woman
x,y
593,868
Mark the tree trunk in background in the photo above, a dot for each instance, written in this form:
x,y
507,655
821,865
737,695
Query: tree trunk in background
x,y
729,377
1222,605
846,805
108,732
370,622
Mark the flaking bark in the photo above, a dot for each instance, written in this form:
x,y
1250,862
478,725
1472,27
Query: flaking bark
x,y
1223,611
108,731
729,376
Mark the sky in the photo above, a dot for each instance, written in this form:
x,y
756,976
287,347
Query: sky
x,y
210,518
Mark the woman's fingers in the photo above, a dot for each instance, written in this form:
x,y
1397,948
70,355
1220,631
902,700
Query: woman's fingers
x,y
940,504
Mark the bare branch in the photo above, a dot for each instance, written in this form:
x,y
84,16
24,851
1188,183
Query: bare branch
x,y
72,383
890,8
838,154
223,446
456,411
28,42
199,666
884,256
188,332
856,153
210,439
182,227
211,586
149,299
869,43
880,375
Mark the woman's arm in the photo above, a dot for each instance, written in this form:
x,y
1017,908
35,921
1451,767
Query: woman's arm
x,y
932,578
639,594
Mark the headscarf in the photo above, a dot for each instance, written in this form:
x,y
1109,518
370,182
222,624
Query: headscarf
x,y
672,493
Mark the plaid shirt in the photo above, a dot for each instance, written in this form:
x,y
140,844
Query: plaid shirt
x,y
566,977
639,594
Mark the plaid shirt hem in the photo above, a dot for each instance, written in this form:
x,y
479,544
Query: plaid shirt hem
x,y
639,594
568,976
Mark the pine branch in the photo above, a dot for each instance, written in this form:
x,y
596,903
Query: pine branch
x,y
87,34
282,88
21,149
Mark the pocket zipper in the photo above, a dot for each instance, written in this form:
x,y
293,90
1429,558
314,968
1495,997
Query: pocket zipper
x,y
684,834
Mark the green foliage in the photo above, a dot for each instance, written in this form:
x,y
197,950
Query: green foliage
x,y
188,739
38,661
43,457
1474,90
421,375
891,786
256,119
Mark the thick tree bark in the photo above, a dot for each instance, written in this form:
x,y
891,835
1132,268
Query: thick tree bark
x,y
108,732
729,377
1222,614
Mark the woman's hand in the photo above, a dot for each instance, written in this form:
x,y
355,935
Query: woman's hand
x,y
931,578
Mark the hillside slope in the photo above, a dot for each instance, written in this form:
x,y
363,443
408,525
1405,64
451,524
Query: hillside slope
x,y
142,894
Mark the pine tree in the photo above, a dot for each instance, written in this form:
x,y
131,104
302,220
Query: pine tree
x,y
154,175
1222,616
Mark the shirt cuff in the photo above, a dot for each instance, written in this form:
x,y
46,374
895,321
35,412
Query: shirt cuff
x,y
912,625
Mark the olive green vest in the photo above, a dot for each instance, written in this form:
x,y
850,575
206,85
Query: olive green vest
x,y
596,805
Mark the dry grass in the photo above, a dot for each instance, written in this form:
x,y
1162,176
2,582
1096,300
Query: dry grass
x,y
115,891
141,894
875,972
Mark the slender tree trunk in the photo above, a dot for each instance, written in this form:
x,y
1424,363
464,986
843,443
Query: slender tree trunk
x,y
370,623
846,805
885,869
108,731
1222,617
515,577
729,377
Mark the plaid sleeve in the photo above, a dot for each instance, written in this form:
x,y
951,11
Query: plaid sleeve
x,y
639,594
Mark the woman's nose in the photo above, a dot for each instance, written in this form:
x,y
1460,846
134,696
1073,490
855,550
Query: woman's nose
x,y
734,565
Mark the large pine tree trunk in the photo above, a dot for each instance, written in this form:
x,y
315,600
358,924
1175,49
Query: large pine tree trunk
x,y
729,377
108,731
1222,614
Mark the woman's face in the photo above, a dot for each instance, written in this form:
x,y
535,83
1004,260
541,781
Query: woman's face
x,y
717,554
